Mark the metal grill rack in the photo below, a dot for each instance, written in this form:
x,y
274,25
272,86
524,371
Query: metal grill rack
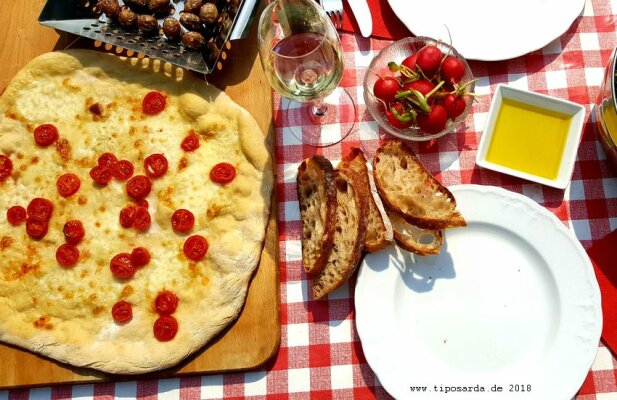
x,y
82,18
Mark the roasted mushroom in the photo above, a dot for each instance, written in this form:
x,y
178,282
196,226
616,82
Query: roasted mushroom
x,y
147,24
192,6
190,21
158,7
127,17
111,8
208,13
172,28
193,40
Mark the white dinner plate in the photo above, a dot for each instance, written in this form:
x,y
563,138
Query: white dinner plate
x,y
489,30
511,302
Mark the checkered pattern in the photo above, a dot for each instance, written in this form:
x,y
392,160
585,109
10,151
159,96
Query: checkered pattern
x,y
320,355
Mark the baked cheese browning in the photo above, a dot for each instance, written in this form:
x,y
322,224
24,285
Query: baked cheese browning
x,y
209,280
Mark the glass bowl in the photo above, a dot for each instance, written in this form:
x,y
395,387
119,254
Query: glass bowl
x,y
397,52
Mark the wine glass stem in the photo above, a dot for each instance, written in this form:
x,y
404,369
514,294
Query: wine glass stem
x,y
319,108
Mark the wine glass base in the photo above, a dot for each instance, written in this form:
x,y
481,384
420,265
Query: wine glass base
x,y
324,130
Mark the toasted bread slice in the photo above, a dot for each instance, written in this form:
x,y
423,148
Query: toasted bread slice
x,y
349,233
317,198
406,187
379,233
411,238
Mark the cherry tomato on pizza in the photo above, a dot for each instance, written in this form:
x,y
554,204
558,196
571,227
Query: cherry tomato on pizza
x,y
6,167
165,303
195,247
67,255
138,186
142,218
121,266
165,328
127,216
15,215
156,165
140,256
107,160
223,173
36,227
190,142
68,184
123,170
101,174
73,231
182,220
40,207
153,103
122,312
45,135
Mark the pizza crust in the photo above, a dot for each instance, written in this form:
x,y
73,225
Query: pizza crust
x,y
79,329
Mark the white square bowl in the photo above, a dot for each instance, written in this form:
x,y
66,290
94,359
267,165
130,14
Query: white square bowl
x,y
542,101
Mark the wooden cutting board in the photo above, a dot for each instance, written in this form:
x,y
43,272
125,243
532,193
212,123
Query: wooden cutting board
x,y
255,337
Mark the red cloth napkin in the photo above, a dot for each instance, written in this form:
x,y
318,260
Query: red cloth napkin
x,y
385,23
603,256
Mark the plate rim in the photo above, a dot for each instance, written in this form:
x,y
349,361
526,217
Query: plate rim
x,y
570,9
593,290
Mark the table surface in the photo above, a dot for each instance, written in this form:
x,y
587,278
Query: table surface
x,y
320,355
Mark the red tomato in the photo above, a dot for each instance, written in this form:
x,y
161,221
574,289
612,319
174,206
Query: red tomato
x,y
386,88
429,60
434,121
107,160
140,256
6,167
190,143
45,134
41,208
182,220
155,165
143,203
195,247
165,328
101,174
142,218
123,170
16,215
165,303
138,186
36,227
73,231
223,173
122,312
127,216
121,266
68,184
67,255
153,103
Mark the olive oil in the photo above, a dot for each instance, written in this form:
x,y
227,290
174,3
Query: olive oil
x,y
529,139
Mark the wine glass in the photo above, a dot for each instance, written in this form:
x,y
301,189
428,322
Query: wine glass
x,y
301,53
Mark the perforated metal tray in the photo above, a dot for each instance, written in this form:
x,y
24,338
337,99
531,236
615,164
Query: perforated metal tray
x,y
81,17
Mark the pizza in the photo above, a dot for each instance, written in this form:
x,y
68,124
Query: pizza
x,y
135,200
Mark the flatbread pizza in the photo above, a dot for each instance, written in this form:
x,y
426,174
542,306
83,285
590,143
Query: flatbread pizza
x,y
136,199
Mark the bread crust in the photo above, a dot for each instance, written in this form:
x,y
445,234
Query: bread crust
x,y
214,289
379,232
412,238
315,188
427,204
344,258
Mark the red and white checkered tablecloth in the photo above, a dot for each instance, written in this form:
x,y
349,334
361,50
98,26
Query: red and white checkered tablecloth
x,y
321,355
